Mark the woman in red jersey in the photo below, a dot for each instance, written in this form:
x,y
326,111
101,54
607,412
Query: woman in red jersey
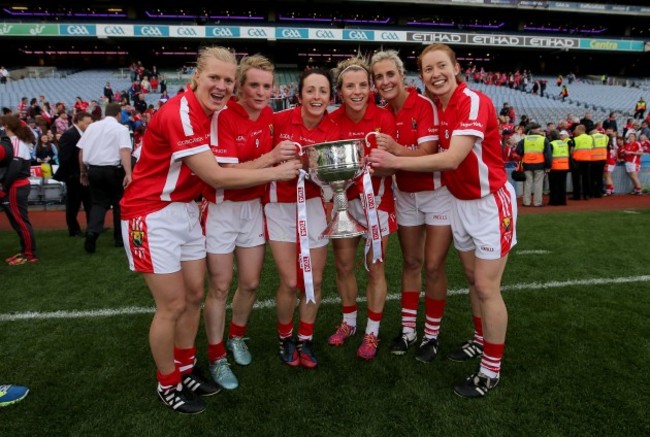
x,y
295,220
484,209
357,117
234,220
160,221
422,205
632,152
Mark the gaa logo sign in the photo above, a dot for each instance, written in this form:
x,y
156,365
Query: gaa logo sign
x,y
186,31
77,30
375,233
301,194
114,30
358,35
150,31
389,36
257,32
223,32
371,202
325,34
302,228
292,33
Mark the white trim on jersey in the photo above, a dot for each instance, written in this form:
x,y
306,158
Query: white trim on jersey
x,y
184,113
483,169
428,138
468,132
227,160
474,103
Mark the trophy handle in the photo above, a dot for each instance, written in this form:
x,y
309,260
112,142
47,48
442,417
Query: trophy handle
x,y
299,147
367,135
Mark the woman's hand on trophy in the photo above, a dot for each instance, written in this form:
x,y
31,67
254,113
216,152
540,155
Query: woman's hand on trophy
x,y
387,143
381,159
284,151
287,170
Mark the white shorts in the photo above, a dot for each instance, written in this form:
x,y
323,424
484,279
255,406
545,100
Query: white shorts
x,y
632,167
609,168
281,222
387,220
234,224
486,225
432,208
159,241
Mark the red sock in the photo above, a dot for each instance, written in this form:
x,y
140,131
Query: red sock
x,y
305,331
609,189
184,359
410,301
491,359
285,329
374,320
237,331
170,380
216,352
434,311
478,330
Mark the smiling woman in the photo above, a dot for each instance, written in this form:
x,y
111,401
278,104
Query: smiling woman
x,y
160,220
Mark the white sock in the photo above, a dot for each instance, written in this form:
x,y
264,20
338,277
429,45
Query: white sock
x,y
373,327
350,319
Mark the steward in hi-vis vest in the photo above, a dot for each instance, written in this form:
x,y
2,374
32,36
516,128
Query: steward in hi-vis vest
x,y
581,171
559,168
598,160
537,158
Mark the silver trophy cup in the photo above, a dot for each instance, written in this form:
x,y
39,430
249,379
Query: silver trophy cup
x,y
337,164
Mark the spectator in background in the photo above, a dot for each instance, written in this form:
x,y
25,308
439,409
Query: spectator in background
x,y
46,152
508,111
15,188
108,92
23,106
34,109
587,122
163,98
68,172
610,122
140,103
629,125
639,109
105,166
80,105
564,92
145,85
4,75
95,110
154,84
537,158
61,123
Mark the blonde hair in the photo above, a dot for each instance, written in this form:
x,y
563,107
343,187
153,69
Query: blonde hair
x,y
355,64
254,61
388,55
217,52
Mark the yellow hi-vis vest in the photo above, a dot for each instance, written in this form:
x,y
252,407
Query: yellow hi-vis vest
x,y
599,152
534,149
560,155
582,150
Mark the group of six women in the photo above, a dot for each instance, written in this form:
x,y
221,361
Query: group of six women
x,y
256,189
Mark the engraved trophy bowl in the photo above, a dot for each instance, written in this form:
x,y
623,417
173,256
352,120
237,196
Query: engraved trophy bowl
x,y
336,164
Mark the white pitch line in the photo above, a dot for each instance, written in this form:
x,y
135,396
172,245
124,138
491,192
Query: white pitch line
x,y
531,252
270,303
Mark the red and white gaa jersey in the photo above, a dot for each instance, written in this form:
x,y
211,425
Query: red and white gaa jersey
x,y
236,138
482,172
633,146
375,119
181,128
288,125
416,123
